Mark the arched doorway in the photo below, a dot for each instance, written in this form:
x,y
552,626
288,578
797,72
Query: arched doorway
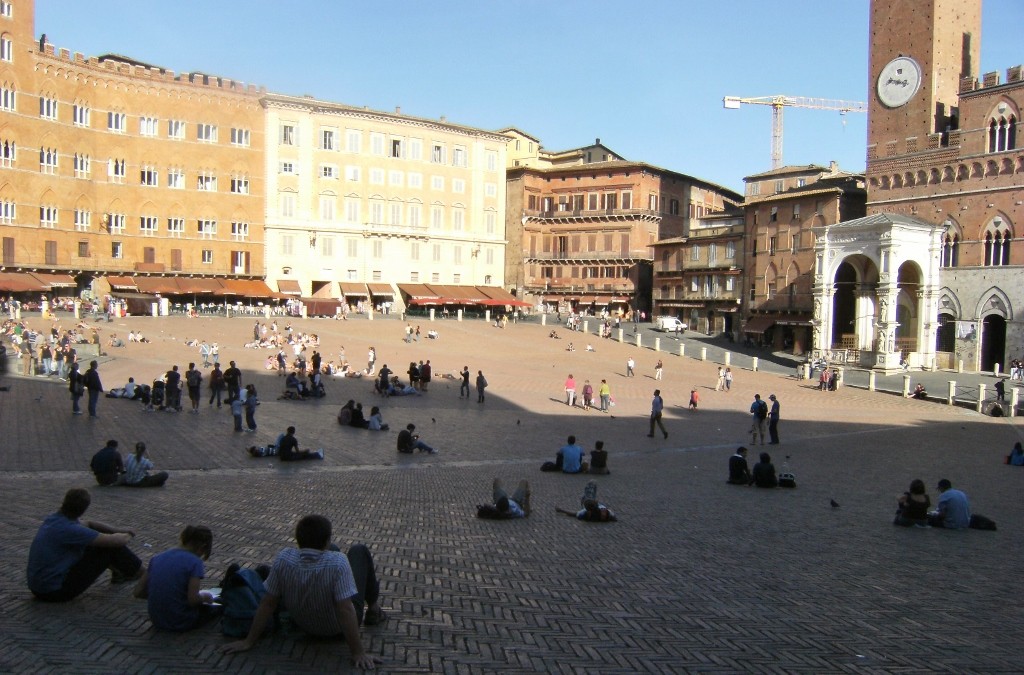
x,y
844,309
993,341
908,281
945,336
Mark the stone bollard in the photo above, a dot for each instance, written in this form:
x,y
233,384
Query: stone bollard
x,y
620,336
369,314
981,397
487,315
682,349
703,353
728,358
1014,397
657,344
952,392
432,313
458,315
995,370
639,339
906,386
586,326
78,309
839,380
543,319
753,364
806,371
871,380
960,366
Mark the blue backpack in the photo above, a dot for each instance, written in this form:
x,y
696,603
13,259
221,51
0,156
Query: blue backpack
x,y
241,593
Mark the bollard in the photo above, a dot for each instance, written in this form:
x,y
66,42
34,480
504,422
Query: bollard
x,y
728,358
620,336
841,373
543,319
586,326
806,371
995,370
981,397
432,311
753,365
871,380
458,315
487,315
78,309
960,366
682,349
906,386
952,392
369,314
657,344
638,339
1014,396
703,353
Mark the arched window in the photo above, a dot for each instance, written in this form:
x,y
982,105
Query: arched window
x,y
950,250
997,244
1002,134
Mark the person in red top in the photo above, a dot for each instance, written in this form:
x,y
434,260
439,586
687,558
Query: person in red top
x,y
570,391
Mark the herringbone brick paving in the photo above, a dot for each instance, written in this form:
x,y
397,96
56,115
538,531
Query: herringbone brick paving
x,y
697,576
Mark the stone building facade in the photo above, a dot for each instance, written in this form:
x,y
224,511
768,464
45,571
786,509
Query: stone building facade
x,y
109,166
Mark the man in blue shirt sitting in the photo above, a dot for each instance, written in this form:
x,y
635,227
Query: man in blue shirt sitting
x,y
572,456
954,511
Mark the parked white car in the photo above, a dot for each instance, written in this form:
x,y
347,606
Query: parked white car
x,y
669,324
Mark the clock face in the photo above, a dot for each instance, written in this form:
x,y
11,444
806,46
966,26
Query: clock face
x,y
899,81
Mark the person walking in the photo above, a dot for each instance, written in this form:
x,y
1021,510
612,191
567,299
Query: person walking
x,y
76,385
605,393
773,421
659,368
204,352
630,364
233,381
464,387
570,391
657,405
481,384
251,401
93,386
194,382
216,384
720,384
728,380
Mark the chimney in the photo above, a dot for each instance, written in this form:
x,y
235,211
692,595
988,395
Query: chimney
x,y
833,166
398,110
597,141
443,118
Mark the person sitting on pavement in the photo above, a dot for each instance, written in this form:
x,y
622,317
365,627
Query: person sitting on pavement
x,y
345,414
325,592
66,557
599,459
376,421
912,506
504,507
919,392
1016,457
572,457
409,441
764,472
593,510
171,584
288,448
137,467
739,472
954,511
358,420
107,464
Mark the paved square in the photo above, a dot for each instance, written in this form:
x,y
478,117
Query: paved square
x,y
697,576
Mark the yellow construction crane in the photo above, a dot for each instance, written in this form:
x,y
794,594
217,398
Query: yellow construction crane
x,y
779,102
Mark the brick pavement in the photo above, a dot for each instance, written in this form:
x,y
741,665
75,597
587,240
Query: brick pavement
x,y
697,576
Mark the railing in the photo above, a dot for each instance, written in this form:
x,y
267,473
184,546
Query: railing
x,y
590,213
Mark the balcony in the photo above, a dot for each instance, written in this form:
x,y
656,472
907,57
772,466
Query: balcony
x,y
590,215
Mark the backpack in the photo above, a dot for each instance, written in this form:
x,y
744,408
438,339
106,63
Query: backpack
x,y
241,593
762,410
194,378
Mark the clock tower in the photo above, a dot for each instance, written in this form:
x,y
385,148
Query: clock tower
x,y
919,51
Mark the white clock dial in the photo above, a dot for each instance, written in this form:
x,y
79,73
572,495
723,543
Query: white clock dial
x,y
899,81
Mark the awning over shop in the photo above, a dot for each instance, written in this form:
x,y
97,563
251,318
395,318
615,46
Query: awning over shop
x,y
17,282
196,286
351,288
587,300
289,286
426,301
56,280
251,288
417,292
759,324
381,290
326,289
500,297
793,321
157,285
122,284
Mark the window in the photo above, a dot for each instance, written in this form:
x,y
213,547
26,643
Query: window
x,y
437,183
327,246
491,160
352,209
396,178
491,190
436,216
327,207
328,139
115,223
458,219
436,253
352,174
458,186
627,200
652,202
80,115
176,179
694,284
8,98
207,256
1002,134
149,126
489,222
148,226
240,231
772,241
240,185
414,215
8,211
287,244
796,211
415,180
396,148
288,167
83,249
438,153
176,129
176,228
83,221
950,256
5,8
48,158
457,255
287,135
206,182
780,185
149,176
83,165
287,205
116,170
376,143
353,140
414,277
116,250
116,121
240,137
460,157
435,277
329,171
352,250
48,217
206,229
997,244
206,133
730,250
376,176
378,250
396,213
415,148
47,108
695,253
414,251
712,254
6,48
376,212
730,283
774,217
609,201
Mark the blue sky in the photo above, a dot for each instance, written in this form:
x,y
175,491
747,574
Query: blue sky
x,y
646,77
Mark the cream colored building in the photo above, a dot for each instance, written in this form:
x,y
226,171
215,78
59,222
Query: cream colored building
x,y
358,198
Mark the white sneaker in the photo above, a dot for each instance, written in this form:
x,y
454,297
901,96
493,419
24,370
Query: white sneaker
x,y
320,453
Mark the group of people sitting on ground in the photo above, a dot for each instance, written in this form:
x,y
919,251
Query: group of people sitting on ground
x,y
132,470
351,415
953,511
763,474
387,383
506,507
297,389
67,556
570,459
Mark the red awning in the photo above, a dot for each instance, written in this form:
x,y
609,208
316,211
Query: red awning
x,y
426,301
56,280
381,290
251,288
121,284
289,286
198,285
16,282
759,323
354,289
157,285
417,291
